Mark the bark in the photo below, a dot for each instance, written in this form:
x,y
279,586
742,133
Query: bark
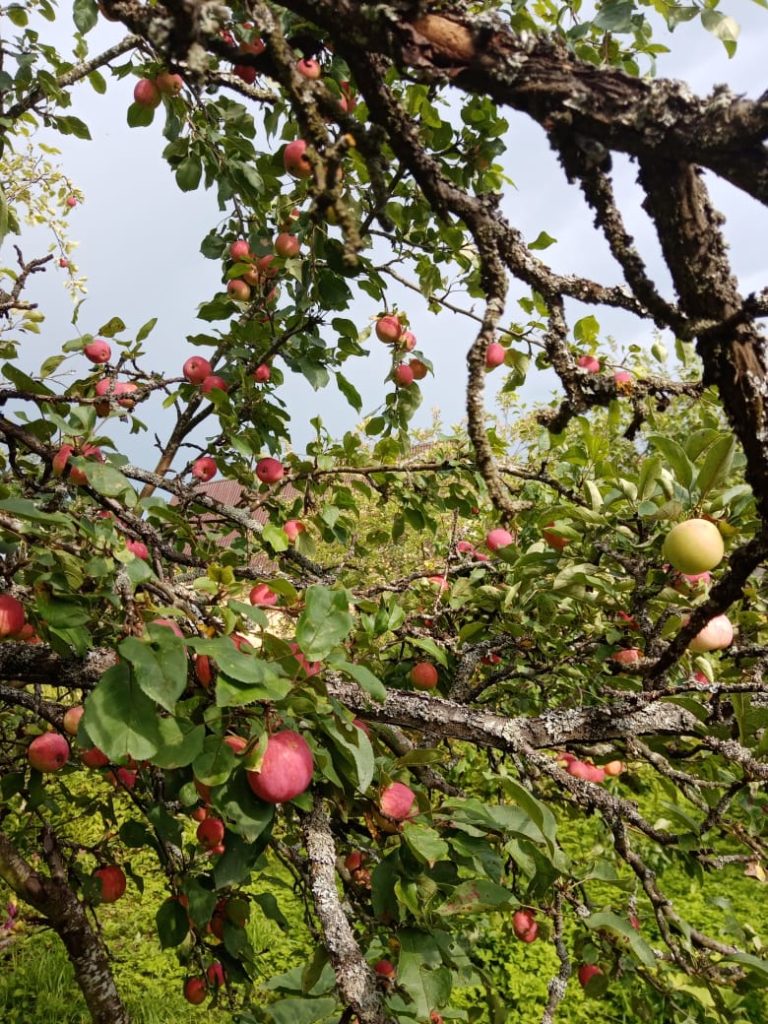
x,y
355,979
57,903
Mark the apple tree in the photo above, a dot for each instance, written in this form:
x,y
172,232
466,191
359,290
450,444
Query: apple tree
x,y
512,675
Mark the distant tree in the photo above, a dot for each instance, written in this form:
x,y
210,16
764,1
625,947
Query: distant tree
x,y
482,647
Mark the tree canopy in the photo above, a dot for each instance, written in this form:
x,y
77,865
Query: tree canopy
x,y
424,681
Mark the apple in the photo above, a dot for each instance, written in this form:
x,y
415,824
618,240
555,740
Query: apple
x,y
295,159
236,744
269,471
587,972
286,768
210,832
146,93
204,468
700,679
499,538
246,73
203,791
384,969
169,84
169,624
255,46
240,250
138,548
214,383
362,726
203,670
292,528
72,719
494,355
589,363
693,547
717,634
309,68
408,338
634,920
63,263
196,369
48,753
396,801
438,581
71,201
12,618
287,245
614,768
691,581
195,990
199,814
111,881
388,329
403,375
353,861
61,459
424,676
418,369
215,975
94,758
524,925
628,656
623,379
238,290
464,547
125,387
240,642
266,268
262,373
554,540
263,596
98,351
585,771
626,620
124,777
311,668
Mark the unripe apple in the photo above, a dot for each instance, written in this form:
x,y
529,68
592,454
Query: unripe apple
x,y
169,84
238,290
138,548
292,528
388,329
98,351
494,355
418,369
236,744
48,753
210,832
408,339
196,369
384,969
403,375
499,538
195,990
263,596
204,468
12,618
146,93
525,926
694,546
72,719
287,245
587,972
262,373
628,656
215,975
94,758
203,670
286,769
396,801
589,363
214,383
295,159
716,635
169,624
309,68
269,471
240,250
424,676
111,881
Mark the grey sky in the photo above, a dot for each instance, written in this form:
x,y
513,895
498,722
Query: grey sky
x,y
140,236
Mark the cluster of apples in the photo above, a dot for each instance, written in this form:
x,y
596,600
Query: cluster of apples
x,y
149,91
197,987
588,771
392,331
262,269
199,371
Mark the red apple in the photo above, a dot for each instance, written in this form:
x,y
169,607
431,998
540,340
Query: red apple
x,y
693,547
309,68
203,670
246,73
353,861
628,656
169,624
262,373
418,369
94,758
499,538
71,201
286,769
195,990
12,619
263,596
494,355
311,668
210,832
215,975
464,547
146,93
388,329
587,972
72,719
196,369
614,768
424,676
524,925
240,250
403,375
199,814
236,744
384,969
169,84
623,379
98,351
213,383
292,528
124,777
716,635
48,753
204,468
362,726
63,263
589,363
111,880
554,540
700,679
295,159
287,245
269,471
238,290
408,339
138,548
396,801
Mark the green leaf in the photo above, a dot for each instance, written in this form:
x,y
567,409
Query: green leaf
x,y
25,509
425,843
675,457
723,27
181,742
354,749
146,329
302,1011
237,801
140,115
106,480
755,963
188,173
716,465
240,856
172,923
426,643
474,896
542,241
160,667
420,972
120,719
324,622
362,676
112,327
607,921
216,763
85,14
60,613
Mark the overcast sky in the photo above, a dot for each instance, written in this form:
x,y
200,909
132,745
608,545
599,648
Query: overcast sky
x,y
140,237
